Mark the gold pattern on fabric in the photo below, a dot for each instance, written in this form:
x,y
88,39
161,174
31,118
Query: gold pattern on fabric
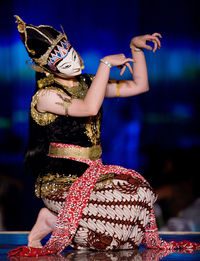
x,y
106,176
92,153
48,80
104,180
40,118
95,152
78,91
93,128
51,185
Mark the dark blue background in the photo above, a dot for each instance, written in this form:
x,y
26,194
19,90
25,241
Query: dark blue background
x,y
156,133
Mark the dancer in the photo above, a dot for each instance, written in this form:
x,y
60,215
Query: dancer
x,y
88,204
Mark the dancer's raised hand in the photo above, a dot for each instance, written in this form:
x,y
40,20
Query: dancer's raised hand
x,y
142,40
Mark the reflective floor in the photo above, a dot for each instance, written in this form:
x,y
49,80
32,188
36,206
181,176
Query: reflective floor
x,y
11,240
125,255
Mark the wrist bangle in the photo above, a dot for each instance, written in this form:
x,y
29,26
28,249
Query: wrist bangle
x,y
138,49
105,62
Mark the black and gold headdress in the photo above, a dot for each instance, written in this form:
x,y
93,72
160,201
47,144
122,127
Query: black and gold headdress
x,y
39,42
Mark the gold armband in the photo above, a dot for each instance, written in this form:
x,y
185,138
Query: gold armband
x,y
118,86
67,103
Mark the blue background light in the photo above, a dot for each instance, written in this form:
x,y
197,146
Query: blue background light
x,y
167,116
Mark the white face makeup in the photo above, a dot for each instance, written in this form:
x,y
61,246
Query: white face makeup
x,y
70,65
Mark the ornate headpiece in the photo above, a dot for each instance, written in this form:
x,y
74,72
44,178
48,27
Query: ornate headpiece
x,y
43,60
40,42
59,53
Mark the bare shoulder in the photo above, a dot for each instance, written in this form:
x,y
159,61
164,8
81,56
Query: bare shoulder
x,y
47,98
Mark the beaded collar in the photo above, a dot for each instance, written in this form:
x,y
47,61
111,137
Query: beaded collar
x,y
78,91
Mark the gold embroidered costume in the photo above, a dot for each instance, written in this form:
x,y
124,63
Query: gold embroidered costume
x,y
86,134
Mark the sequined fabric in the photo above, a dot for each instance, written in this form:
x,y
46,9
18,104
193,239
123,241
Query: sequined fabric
x,y
55,187
42,119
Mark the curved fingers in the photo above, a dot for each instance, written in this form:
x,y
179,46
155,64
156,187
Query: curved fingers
x,y
158,42
129,60
155,46
123,70
157,34
129,67
146,46
155,40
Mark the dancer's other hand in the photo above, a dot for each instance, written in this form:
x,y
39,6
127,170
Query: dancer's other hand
x,y
120,61
141,41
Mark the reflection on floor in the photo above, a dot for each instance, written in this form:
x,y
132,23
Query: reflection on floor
x,y
10,240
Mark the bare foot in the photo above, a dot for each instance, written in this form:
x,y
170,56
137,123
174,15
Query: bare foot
x,y
36,244
44,225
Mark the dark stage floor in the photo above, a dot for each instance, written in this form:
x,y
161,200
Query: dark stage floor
x,y
10,240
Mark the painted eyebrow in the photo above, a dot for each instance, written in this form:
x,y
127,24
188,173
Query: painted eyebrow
x,y
65,64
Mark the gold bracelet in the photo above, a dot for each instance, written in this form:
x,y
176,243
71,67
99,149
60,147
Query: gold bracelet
x,y
118,85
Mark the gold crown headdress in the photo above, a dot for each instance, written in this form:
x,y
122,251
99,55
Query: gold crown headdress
x,y
44,36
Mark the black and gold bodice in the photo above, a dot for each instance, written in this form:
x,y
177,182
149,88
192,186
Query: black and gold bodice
x,y
82,131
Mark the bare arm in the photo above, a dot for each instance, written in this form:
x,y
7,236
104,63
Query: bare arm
x,y
139,83
57,103
94,97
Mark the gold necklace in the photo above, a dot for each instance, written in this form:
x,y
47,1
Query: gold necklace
x,y
78,91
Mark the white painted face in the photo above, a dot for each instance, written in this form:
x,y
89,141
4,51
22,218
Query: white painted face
x,y
70,65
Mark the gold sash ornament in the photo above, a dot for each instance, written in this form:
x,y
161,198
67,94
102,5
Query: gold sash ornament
x,y
72,151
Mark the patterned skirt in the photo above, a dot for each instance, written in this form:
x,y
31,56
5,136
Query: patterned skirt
x,y
115,216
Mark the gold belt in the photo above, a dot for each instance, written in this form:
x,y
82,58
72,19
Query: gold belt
x,y
72,151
